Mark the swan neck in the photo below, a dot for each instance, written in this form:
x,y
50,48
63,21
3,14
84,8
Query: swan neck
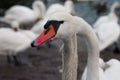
x,y
70,59
93,53
112,13
113,16
39,9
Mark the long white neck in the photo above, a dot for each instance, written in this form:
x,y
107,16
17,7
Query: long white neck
x,y
93,49
69,5
112,14
39,9
70,59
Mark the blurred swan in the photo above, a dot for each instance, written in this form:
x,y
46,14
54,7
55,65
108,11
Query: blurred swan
x,y
108,33
109,70
110,17
67,7
12,42
18,14
107,28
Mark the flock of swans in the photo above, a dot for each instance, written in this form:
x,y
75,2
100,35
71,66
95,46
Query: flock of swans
x,y
59,21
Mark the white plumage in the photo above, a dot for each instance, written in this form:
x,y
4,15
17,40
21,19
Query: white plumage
x,y
12,42
107,28
109,70
17,15
108,33
67,7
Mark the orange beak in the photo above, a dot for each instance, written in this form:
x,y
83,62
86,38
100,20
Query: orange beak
x,y
44,36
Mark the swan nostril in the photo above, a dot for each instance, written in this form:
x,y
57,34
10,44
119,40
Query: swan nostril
x,y
47,31
32,44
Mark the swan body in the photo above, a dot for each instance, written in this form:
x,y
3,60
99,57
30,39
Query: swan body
x,y
13,42
65,26
107,70
107,26
17,15
108,33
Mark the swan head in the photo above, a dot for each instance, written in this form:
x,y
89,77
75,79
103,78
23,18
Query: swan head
x,y
115,5
59,25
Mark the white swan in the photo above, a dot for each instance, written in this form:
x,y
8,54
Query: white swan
x,y
110,17
67,7
114,68
17,15
37,28
108,33
107,26
12,42
101,71
65,26
109,70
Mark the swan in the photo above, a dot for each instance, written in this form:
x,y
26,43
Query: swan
x,y
110,17
108,33
18,14
107,70
12,42
67,7
107,26
65,26
102,67
37,28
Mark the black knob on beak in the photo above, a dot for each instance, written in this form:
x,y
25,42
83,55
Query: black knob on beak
x,y
32,44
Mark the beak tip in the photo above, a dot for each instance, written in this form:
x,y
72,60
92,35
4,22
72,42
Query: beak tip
x,y
32,44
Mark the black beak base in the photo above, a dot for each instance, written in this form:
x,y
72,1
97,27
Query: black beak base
x,y
32,44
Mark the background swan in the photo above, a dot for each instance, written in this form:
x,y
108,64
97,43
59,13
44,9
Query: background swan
x,y
110,17
107,26
65,26
101,71
107,70
108,33
17,15
13,42
67,7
